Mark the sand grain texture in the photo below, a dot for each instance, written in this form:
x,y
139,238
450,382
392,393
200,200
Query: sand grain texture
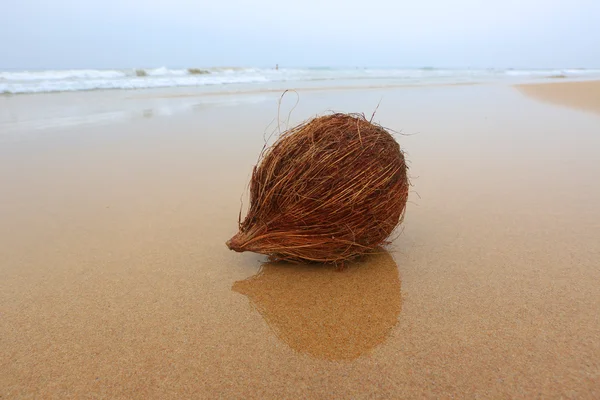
x,y
325,313
115,281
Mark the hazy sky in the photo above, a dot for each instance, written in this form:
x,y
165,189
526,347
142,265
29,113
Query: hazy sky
x,y
188,33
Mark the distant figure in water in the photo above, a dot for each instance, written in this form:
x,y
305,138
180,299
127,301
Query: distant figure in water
x,y
276,67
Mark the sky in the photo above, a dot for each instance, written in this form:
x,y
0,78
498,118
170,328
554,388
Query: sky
x,y
65,34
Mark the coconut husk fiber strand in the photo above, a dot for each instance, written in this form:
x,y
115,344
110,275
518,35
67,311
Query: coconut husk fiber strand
x,y
328,190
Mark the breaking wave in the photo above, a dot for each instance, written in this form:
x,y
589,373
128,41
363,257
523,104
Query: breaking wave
x,y
18,82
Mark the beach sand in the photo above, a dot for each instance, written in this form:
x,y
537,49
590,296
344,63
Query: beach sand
x,y
115,281
584,95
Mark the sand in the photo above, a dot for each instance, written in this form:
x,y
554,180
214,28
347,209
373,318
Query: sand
x,y
115,281
584,95
326,314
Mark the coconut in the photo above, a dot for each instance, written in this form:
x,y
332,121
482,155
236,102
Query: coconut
x,y
328,190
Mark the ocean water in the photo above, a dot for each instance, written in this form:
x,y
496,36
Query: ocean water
x,y
100,97
220,79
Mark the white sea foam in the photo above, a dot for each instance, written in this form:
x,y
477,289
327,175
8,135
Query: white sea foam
x,y
77,74
17,82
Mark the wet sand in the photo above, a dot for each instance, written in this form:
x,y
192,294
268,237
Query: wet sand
x,y
115,281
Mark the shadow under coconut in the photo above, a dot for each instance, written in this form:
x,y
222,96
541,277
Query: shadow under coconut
x,y
324,313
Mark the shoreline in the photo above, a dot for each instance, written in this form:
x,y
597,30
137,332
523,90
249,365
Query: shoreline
x,y
244,92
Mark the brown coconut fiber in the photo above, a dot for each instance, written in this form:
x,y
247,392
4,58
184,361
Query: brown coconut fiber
x,y
328,190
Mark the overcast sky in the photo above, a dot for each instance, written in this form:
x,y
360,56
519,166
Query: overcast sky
x,y
40,34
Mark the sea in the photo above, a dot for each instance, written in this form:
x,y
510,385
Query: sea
x,y
36,101
226,79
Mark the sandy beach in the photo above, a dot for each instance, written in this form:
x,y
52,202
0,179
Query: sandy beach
x,y
115,281
583,94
